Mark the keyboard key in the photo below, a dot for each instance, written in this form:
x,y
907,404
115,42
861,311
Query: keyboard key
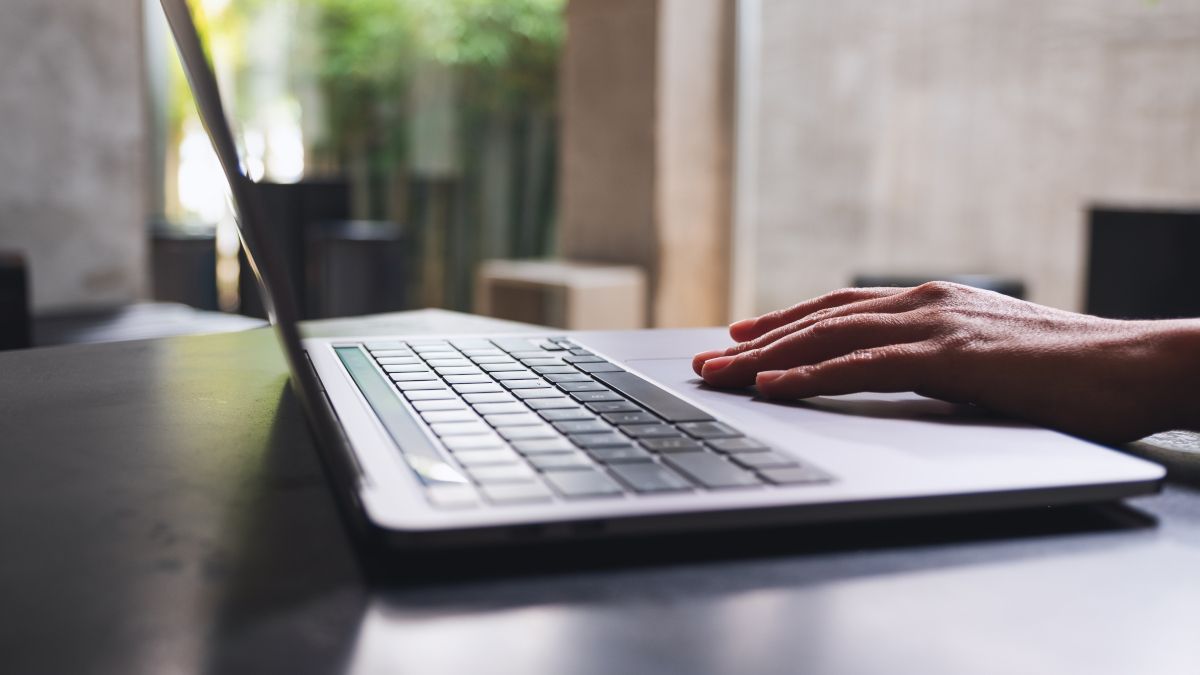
x,y
551,403
385,346
599,367
447,404
516,493
385,353
561,462
480,442
460,428
564,414
710,470
528,432
590,358
434,351
429,345
506,473
461,415
650,431
769,459
499,408
513,420
469,343
429,394
631,418
620,455
490,387
554,370
797,475
543,361
582,427
501,367
707,430
649,478
613,406
408,370
736,445
405,368
581,386
570,377
598,440
671,445
419,376
515,375
458,370
525,384
491,351
544,392
551,346
451,496
655,399
398,360
448,363
497,397
580,352
499,358
420,384
595,396
468,379
543,446
578,484
530,354
498,457
513,344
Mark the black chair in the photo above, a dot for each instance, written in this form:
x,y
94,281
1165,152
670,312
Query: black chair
x,y
1143,264
16,323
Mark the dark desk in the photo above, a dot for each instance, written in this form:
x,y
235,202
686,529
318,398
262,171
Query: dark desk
x,y
164,512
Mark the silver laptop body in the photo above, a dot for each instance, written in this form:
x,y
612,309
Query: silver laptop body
x,y
469,439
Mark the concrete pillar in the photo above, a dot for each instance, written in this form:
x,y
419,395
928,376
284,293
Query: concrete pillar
x,y
646,105
72,148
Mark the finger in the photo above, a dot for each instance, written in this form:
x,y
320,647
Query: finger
x,y
749,329
894,303
699,359
823,341
882,369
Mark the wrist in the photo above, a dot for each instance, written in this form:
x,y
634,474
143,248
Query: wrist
x,y
1178,353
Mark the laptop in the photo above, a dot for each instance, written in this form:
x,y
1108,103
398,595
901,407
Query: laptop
x,y
462,440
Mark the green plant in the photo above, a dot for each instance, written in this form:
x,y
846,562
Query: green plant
x,y
506,51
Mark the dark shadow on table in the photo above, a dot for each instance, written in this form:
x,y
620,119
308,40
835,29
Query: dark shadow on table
x,y
291,589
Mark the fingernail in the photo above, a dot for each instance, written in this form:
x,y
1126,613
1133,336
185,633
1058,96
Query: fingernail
x,y
713,365
768,376
705,356
743,325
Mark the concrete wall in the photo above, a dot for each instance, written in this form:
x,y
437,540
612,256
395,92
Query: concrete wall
x,y
646,99
72,146
946,136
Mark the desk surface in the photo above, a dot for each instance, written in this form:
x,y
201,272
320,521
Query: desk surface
x,y
164,512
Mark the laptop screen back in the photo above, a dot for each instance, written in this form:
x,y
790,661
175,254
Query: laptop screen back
x,y
262,253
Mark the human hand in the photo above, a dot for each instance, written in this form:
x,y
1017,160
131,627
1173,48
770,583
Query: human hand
x,y
1099,378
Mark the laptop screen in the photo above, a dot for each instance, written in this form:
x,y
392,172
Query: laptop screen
x,y
261,252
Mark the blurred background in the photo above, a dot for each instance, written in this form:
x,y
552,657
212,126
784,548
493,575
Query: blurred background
x,y
597,163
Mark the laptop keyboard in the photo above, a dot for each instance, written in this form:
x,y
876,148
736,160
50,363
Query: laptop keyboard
x,y
533,420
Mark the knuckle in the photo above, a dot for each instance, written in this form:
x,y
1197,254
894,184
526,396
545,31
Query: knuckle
x,y
937,289
842,294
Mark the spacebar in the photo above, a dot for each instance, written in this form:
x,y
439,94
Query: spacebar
x,y
656,400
